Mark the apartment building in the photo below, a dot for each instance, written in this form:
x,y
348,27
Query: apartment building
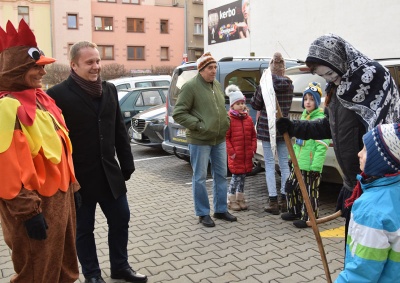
x,y
140,34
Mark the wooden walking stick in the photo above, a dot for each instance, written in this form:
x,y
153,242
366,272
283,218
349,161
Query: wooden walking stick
x,y
306,198
326,218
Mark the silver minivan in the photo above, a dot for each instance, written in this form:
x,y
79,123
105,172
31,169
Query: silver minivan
x,y
141,81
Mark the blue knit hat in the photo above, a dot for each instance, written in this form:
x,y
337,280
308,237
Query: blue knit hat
x,y
383,150
315,90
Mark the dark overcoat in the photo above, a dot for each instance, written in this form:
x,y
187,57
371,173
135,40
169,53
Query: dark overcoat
x,y
97,134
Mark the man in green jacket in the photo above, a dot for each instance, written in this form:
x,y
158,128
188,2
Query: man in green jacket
x,y
201,110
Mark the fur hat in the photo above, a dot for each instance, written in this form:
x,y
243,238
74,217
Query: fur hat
x,y
383,150
18,53
204,60
315,90
277,64
234,94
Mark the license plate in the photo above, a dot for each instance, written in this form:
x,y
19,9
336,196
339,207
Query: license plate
x,y
181,133
137,136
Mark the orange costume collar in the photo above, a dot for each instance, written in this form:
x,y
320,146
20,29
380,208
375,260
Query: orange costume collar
x,y
27,111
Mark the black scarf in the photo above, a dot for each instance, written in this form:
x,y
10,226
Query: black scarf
x,y
94,89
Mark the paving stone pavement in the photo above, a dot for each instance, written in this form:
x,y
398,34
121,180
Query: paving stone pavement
x,y
167,243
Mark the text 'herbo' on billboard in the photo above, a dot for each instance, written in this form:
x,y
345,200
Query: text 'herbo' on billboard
x,y
229,22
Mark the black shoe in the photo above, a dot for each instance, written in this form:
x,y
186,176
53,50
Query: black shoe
x,y
129,275
300,224
206,221
96,279
290,216
225,216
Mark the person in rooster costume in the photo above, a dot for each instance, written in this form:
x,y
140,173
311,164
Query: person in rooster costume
x,y
37,207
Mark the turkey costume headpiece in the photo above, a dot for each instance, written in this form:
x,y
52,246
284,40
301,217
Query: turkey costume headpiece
x,y
18,53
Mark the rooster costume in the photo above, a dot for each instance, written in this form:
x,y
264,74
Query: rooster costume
x,y
37,181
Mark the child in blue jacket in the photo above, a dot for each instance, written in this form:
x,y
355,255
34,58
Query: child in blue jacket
x,y
373,240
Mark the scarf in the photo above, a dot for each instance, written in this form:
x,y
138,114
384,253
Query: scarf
x,y
235,113
366,87
357,191
94,89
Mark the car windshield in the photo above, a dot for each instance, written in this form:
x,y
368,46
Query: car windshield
x,y
181,79
122,93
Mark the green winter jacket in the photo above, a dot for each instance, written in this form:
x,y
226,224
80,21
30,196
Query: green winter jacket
x,y
311,154
200,108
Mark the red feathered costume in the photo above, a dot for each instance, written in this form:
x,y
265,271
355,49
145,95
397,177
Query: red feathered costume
x,y
37,178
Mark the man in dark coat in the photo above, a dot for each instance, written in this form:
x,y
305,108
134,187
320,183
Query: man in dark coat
x,y
97,132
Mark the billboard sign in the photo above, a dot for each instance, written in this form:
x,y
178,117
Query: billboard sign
x,y
229,22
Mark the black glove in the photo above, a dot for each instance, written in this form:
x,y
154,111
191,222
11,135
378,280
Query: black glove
x,y
36,227
343,195
78,200
127,174
284,125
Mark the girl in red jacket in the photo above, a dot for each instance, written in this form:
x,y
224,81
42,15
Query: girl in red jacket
x,y
241,144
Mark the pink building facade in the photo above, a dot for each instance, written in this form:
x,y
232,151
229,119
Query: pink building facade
x,y
140,34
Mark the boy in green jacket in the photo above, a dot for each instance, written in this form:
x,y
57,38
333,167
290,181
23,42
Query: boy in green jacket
x,y
310,155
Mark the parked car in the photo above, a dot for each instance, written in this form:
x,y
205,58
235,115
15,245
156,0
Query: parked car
x,y
244,72
140,99
301,76
141,81
147,127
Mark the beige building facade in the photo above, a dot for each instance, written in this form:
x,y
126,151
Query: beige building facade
x,y
36,13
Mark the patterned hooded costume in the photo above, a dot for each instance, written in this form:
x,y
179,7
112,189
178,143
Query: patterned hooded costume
x,y
37,178
366,87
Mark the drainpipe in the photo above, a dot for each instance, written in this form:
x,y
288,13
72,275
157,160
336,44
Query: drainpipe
x,y
185,28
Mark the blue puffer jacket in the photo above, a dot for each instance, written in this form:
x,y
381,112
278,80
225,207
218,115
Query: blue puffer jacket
x,y
373,242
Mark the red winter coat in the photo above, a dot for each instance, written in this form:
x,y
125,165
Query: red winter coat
x,y
241,140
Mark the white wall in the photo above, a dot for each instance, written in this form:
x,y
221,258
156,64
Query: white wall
x,y
289,26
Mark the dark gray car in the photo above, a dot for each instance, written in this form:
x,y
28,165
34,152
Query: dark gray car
x,y
147,127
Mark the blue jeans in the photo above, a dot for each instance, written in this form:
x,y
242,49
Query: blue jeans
x,y
269,159
118,215
200,155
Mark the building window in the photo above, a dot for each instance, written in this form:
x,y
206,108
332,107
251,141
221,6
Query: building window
x,y
198,25
135,25
164,26
135,52
23,13
130,1
106,52
112,1
164,53
72,21
69,49
103,23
